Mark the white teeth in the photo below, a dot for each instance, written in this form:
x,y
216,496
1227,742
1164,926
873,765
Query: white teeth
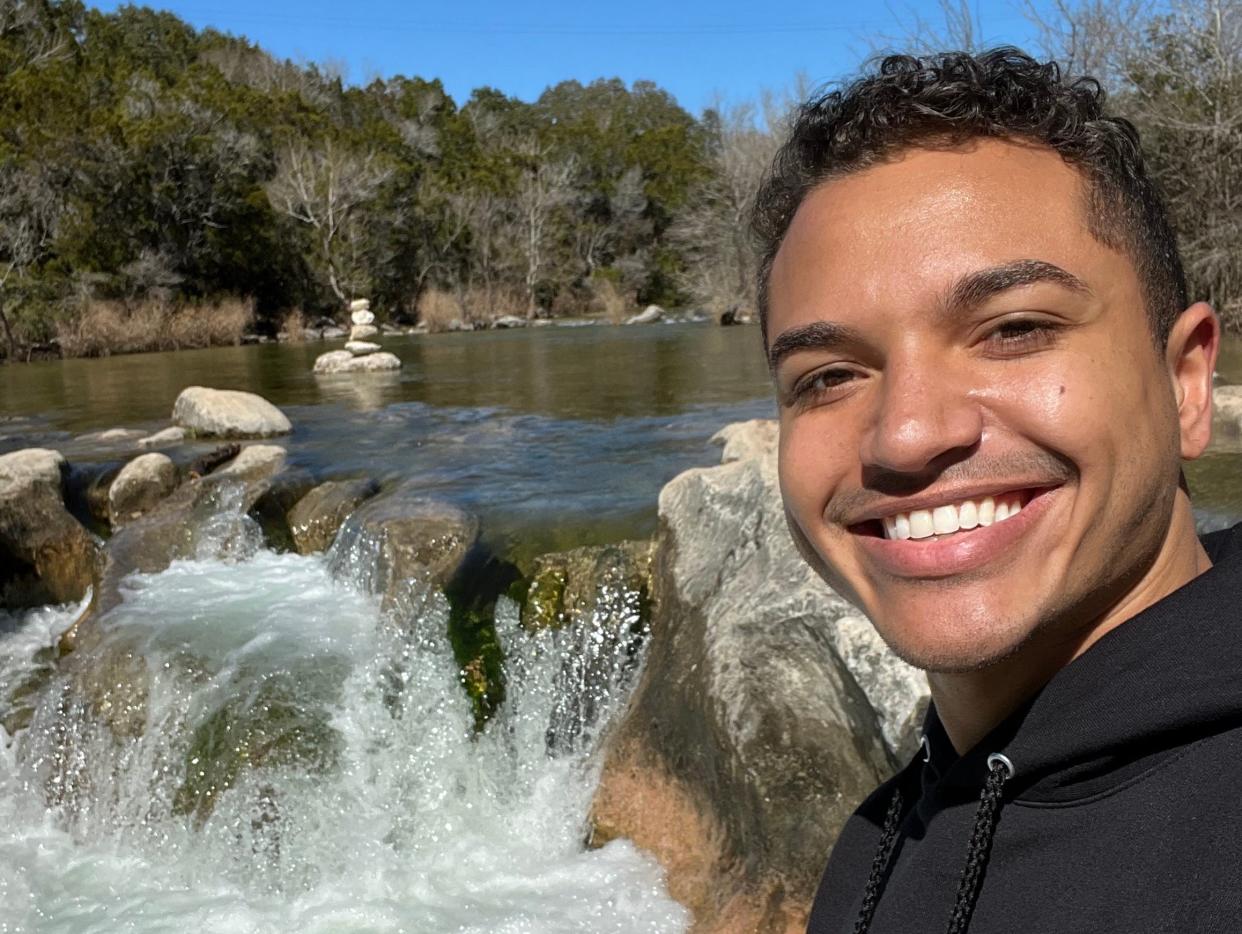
x,y
987,511
968,515
944,519
947,519
921,525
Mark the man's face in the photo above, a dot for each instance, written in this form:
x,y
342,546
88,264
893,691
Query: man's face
x,y
979,436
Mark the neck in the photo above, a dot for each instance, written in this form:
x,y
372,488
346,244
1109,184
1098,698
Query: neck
x,y
971,704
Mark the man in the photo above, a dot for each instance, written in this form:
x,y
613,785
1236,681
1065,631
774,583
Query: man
x,y
988,375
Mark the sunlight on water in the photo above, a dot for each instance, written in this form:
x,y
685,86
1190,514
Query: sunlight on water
x,y
306,764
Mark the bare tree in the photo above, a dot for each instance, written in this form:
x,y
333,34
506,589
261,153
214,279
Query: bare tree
x,y
327,187
714,231
546,184
29,213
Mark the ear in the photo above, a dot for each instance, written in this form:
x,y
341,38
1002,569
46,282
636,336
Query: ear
x,y
1194,342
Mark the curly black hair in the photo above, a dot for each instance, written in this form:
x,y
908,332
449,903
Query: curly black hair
x,y
948,99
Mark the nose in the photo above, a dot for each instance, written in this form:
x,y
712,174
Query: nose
x,y
924,420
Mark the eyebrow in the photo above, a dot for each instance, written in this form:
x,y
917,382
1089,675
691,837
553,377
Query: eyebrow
x,y
969,292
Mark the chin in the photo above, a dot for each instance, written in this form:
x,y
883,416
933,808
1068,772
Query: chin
x,y
949,643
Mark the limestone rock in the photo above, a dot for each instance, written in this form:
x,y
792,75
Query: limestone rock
x,y
342,361
112,436
509,321
648,315
46,556
403,539
362,317
766,709
565,585
317,516
361,348
228,413
141,484
332,333
360,304
362,332
165,438
254,463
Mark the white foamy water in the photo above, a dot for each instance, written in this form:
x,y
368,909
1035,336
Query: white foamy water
x,y
360,798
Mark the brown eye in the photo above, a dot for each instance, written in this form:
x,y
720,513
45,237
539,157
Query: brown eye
x,y
1021,335
819,386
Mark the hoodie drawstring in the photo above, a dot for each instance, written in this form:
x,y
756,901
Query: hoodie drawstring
x,y
1000,770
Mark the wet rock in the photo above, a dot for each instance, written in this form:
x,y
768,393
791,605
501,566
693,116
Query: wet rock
x,y
206,463
111,436
361,348
404,539
749,738
363,332
254,463
162,439
509,321
228,413
317,516
46,556
274,505
649,315
141,484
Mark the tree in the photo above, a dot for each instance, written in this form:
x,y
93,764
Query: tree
x,y
327,187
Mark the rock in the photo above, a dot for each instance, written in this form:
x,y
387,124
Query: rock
x,y
402,540
733,315
342,361
271,510
391,330
361,348
112,436
317,516
362,317
509,321
165,438
360,304
141,484
361,332
254,463
649,315
228,413
332,333
766,709
46,556
601,595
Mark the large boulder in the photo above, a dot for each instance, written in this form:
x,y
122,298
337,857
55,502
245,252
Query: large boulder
x,y
749,738
228,413
46,556
316,517
141,484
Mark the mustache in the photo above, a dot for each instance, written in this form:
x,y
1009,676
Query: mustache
x,y
881,485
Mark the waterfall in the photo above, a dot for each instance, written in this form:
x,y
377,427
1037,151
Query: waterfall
x,y
255,745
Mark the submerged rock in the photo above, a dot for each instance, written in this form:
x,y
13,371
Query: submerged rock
x,y
509,321
141,484
749,739
342,361
228,413
46,556
317,516
165,438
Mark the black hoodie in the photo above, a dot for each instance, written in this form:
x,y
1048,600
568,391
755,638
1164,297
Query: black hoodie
x,y
1117,805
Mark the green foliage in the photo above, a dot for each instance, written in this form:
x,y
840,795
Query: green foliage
x,y
161,158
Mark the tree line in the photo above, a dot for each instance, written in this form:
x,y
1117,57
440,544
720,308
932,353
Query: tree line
x,y
161,185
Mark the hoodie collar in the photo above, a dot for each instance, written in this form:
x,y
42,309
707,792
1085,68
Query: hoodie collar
x,y
1159,682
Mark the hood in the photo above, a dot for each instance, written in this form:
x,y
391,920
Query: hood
x,y
1159,682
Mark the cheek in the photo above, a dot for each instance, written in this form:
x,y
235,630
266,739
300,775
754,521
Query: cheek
x,y
813,460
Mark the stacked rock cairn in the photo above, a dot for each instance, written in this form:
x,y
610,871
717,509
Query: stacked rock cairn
x,y
361,350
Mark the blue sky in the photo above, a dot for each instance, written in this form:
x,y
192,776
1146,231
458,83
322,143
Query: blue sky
x,y
697,50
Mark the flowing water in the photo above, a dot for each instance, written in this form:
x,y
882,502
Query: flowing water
x,y
308,763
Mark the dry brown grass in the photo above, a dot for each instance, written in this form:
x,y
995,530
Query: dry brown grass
x,y
607,300
293,326
438,309
103,328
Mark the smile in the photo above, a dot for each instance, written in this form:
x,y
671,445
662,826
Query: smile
x,y
951,518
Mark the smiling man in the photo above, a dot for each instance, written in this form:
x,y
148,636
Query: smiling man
x,y
989,374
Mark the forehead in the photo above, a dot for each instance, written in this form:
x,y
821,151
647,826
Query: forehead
x,y
899,233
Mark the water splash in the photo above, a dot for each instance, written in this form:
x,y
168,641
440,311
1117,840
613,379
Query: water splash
x,y
307,762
